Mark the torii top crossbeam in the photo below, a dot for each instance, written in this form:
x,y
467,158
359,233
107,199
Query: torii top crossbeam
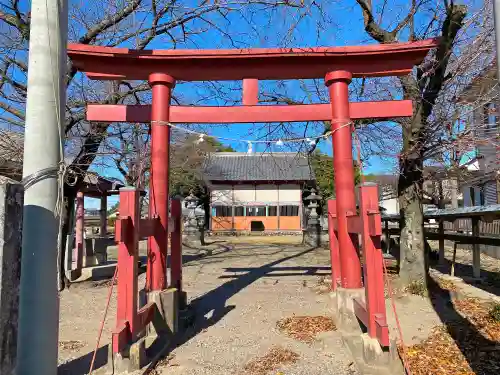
x,y
259,63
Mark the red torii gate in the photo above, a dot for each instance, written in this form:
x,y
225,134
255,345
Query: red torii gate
x,y
338,65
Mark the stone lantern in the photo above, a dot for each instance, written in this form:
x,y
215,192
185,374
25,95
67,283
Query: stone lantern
x,y
312,234
191,223
312,204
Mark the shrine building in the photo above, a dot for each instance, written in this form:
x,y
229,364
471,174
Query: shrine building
x,y
257,192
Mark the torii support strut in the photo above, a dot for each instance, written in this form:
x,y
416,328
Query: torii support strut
x,y
336,65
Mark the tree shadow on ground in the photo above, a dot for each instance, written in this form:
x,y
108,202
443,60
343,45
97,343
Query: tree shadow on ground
x,y
283,271
242,251
207,309
489,282
211,307
480,352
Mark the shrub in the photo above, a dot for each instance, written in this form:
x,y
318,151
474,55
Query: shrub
x,y
417,287
495,312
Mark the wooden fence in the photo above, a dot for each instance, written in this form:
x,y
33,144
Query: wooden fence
x,y
465,225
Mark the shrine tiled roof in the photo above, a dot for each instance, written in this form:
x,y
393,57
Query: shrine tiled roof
x,y
236,166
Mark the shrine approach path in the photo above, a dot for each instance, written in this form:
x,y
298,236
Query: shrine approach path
x,y
241,291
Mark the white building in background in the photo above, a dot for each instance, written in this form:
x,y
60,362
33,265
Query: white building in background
x,y
388,189
479,99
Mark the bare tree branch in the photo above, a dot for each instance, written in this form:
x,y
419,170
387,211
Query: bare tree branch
x,y
371,26
12,110
109,21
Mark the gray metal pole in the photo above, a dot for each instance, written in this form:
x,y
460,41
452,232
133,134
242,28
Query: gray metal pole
x,y
39,301
496,14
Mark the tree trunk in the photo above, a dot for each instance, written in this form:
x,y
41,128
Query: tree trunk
x,y
413,258
423,89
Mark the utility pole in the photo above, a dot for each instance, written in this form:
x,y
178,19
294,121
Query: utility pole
x,y
45,103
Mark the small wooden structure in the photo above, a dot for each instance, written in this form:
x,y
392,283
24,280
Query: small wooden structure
x,y
89,251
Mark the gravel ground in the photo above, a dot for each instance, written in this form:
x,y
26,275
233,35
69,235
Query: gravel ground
x,y
81,312
240,292
243,293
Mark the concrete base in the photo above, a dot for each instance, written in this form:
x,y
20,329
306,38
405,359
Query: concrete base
x,y
94,273
369,356
376,356
167,302
130,360
97,272
95,250
315,237
344,309
158,334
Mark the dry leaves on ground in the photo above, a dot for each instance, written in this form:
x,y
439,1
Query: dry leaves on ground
x,y
305,328
276,357
71,345
445,284
438,354
478,313
468,346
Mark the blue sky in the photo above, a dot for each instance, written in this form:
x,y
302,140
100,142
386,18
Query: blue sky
x,y
338,24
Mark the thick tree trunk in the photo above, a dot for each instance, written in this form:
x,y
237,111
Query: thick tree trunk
x,y
413,258
423,89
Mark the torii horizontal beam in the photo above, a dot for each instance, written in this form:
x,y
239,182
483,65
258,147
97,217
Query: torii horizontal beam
x,y
249,114
374,60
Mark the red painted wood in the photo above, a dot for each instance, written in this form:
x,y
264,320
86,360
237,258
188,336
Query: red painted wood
x,y
158,207
121,336
382,328
144,317
360,311
123,229
374,224
250,91
249,114
127,262
236,64
334,244
147,227
354,225
372,259
338,86
176,247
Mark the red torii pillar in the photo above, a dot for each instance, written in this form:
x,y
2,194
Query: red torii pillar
x,y
156,273
338,87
